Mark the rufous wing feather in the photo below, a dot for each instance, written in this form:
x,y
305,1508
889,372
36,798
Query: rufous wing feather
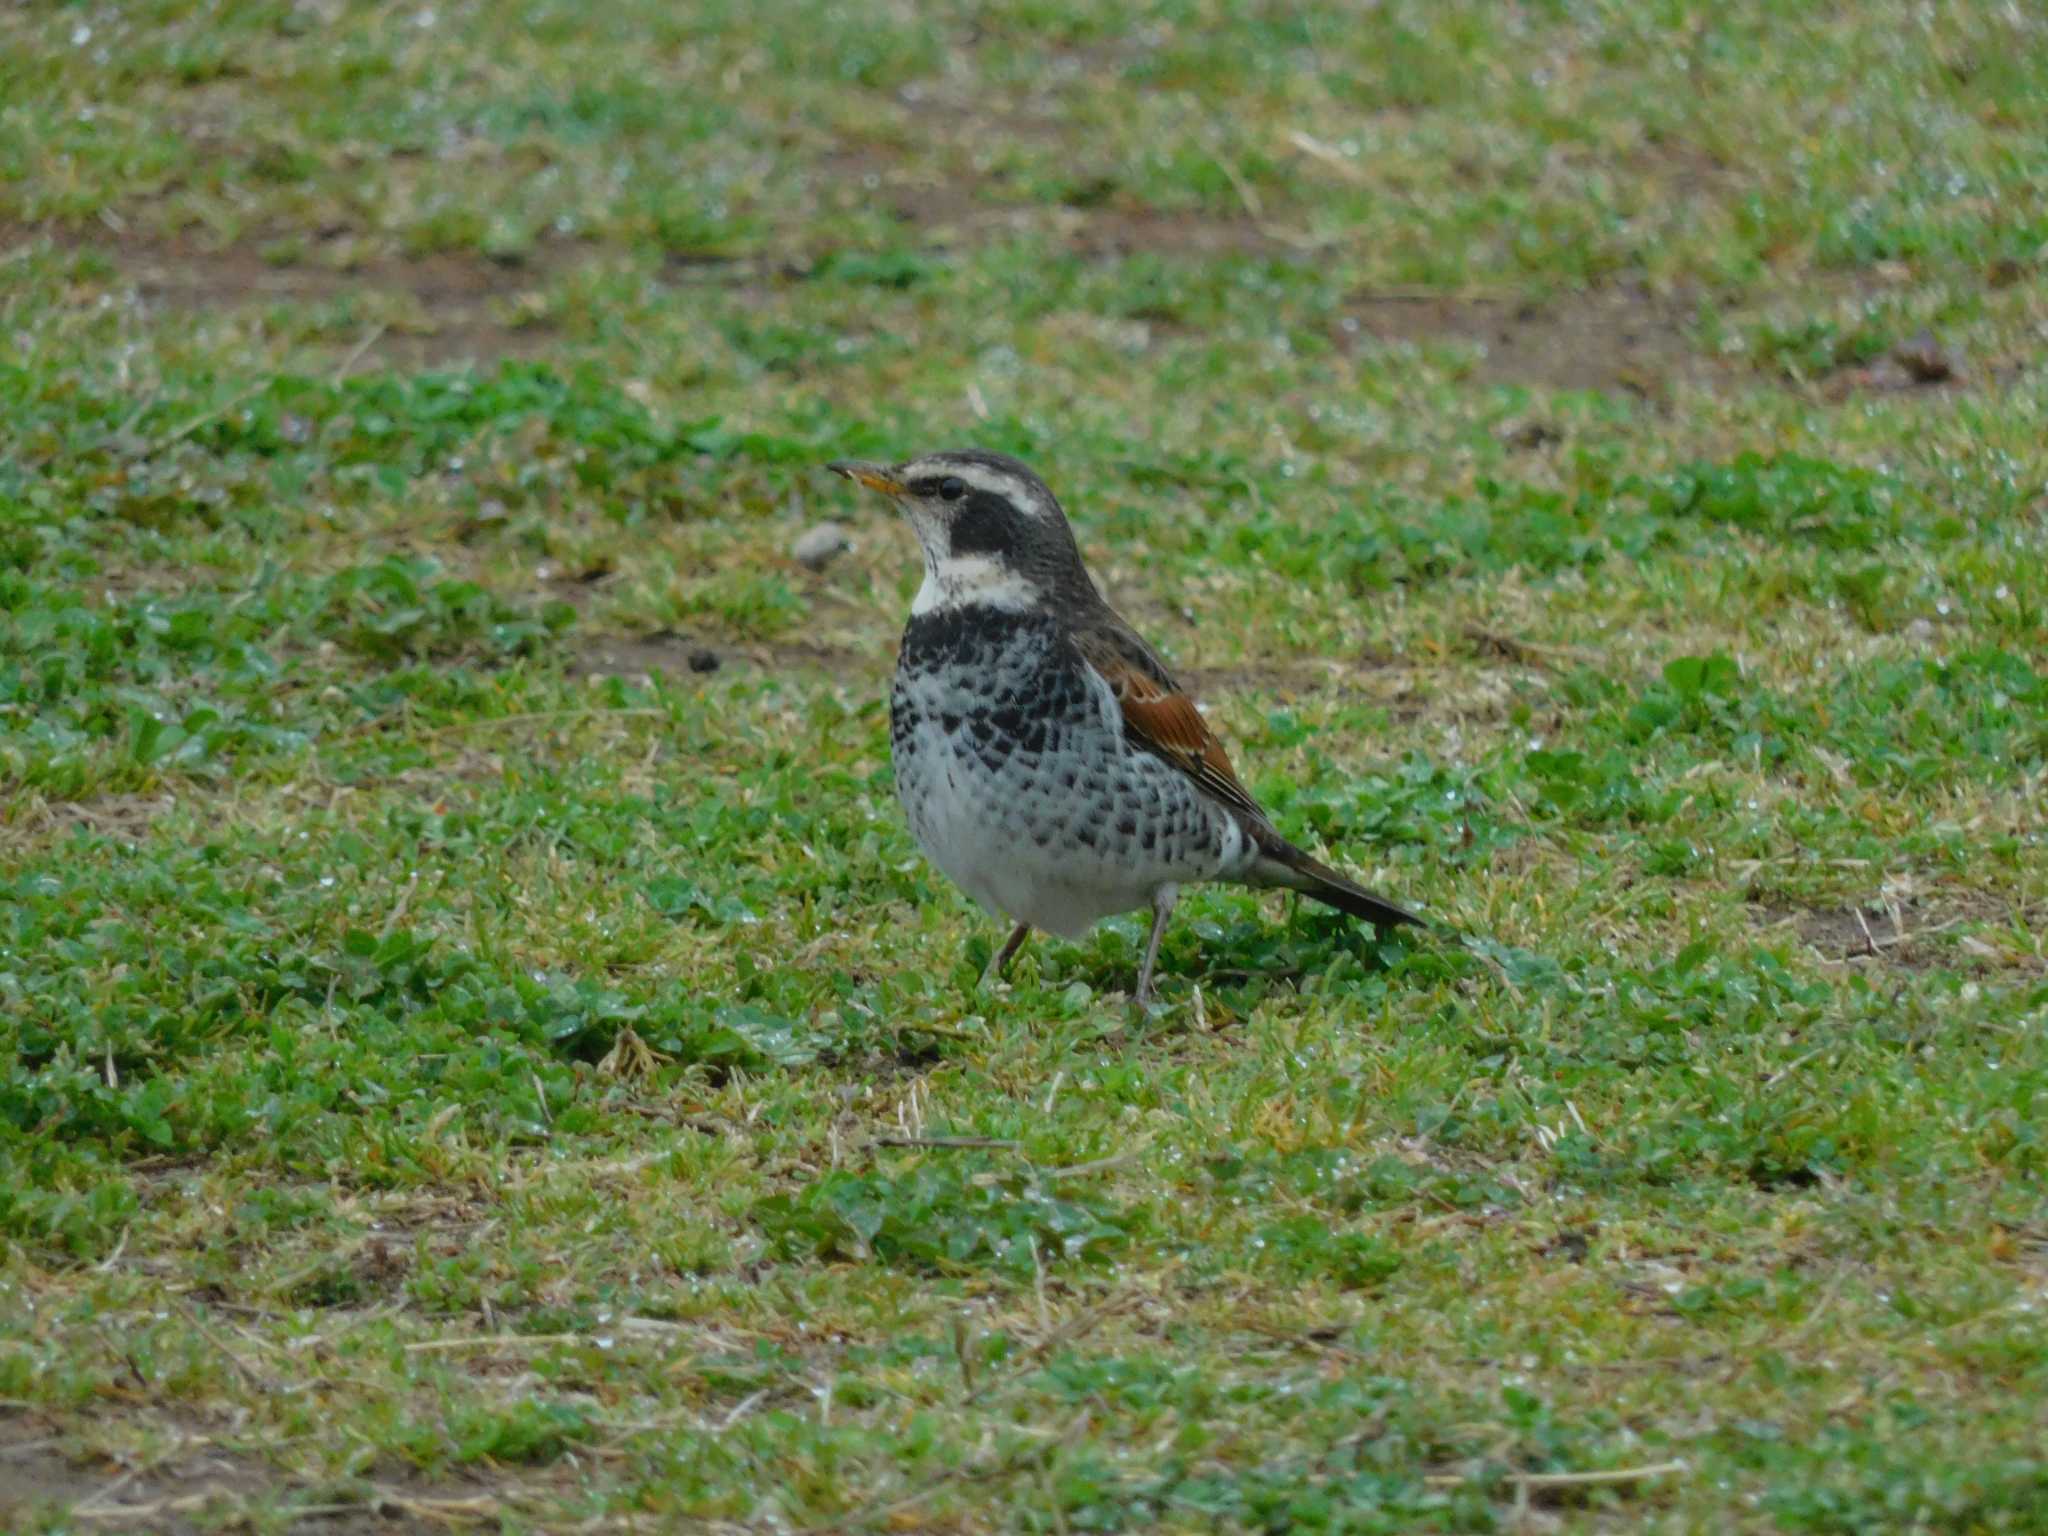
x,y
1165,721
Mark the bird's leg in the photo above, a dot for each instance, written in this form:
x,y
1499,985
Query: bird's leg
x,y
1010,947
1162,908
1008,952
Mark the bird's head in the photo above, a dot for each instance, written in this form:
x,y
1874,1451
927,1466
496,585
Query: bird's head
x,y
993,533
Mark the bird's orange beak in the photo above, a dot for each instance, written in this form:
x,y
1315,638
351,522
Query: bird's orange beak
x,y
876,477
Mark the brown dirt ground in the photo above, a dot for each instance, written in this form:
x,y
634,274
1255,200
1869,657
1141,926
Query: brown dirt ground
x,y
671,654
43,1469
1623,337
459,307
124,816
1908,937
464,307
1397,689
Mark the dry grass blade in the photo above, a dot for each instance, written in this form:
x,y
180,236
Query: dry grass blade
x,y
1608,1477
153,1513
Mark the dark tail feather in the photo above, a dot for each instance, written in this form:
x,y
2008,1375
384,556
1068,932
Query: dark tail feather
x,y
1281,863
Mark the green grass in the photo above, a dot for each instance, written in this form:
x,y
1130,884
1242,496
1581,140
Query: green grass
x,y
466,1062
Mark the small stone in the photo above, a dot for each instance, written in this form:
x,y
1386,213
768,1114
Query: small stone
x,y
1527,436
703,661
819,546
1927,361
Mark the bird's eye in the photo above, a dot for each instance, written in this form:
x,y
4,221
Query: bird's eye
x,y
952,488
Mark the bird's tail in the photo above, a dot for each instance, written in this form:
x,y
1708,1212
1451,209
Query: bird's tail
x,y
1281,863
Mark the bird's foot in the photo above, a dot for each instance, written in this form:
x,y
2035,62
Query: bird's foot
x,y
1151,1006
1162,908
999,966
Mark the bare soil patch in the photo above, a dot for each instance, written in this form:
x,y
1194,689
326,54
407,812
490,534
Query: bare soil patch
x,y
1919,364
458,307
1902,935
1119,232
948,210
203,1488
122,816
669,653
184,274
1850,933
676,655
41,1469
463,305
1623,337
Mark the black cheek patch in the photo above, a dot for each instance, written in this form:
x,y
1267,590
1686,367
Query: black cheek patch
x,y
985,525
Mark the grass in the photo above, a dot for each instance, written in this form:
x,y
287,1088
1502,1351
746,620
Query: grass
x,y
482,1047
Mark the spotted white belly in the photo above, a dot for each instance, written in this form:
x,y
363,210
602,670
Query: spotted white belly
x,y
1019,784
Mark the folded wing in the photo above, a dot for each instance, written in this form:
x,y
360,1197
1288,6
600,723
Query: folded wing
x,y
1162,720
1159,718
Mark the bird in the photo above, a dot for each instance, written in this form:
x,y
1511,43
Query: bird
x,y
1046,759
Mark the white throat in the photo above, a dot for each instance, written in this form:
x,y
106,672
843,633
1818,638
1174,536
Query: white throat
x,y
958,580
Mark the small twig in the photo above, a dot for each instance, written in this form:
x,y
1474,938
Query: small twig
x,y
1066,1333
141,409
941,1030
492,1341
1499,970
1100,1165
1328,154
998,1143
204,418
528,718
717,1130
1246,192
382,1501
1567,1479
1875,945
659,1327
743,1407
971,1472
370,338
397,914
629,1165
632,1057
1308,1339
1793,1066
1529,652
248,1372
1038,1283
963,1352
92,1507
482,1505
